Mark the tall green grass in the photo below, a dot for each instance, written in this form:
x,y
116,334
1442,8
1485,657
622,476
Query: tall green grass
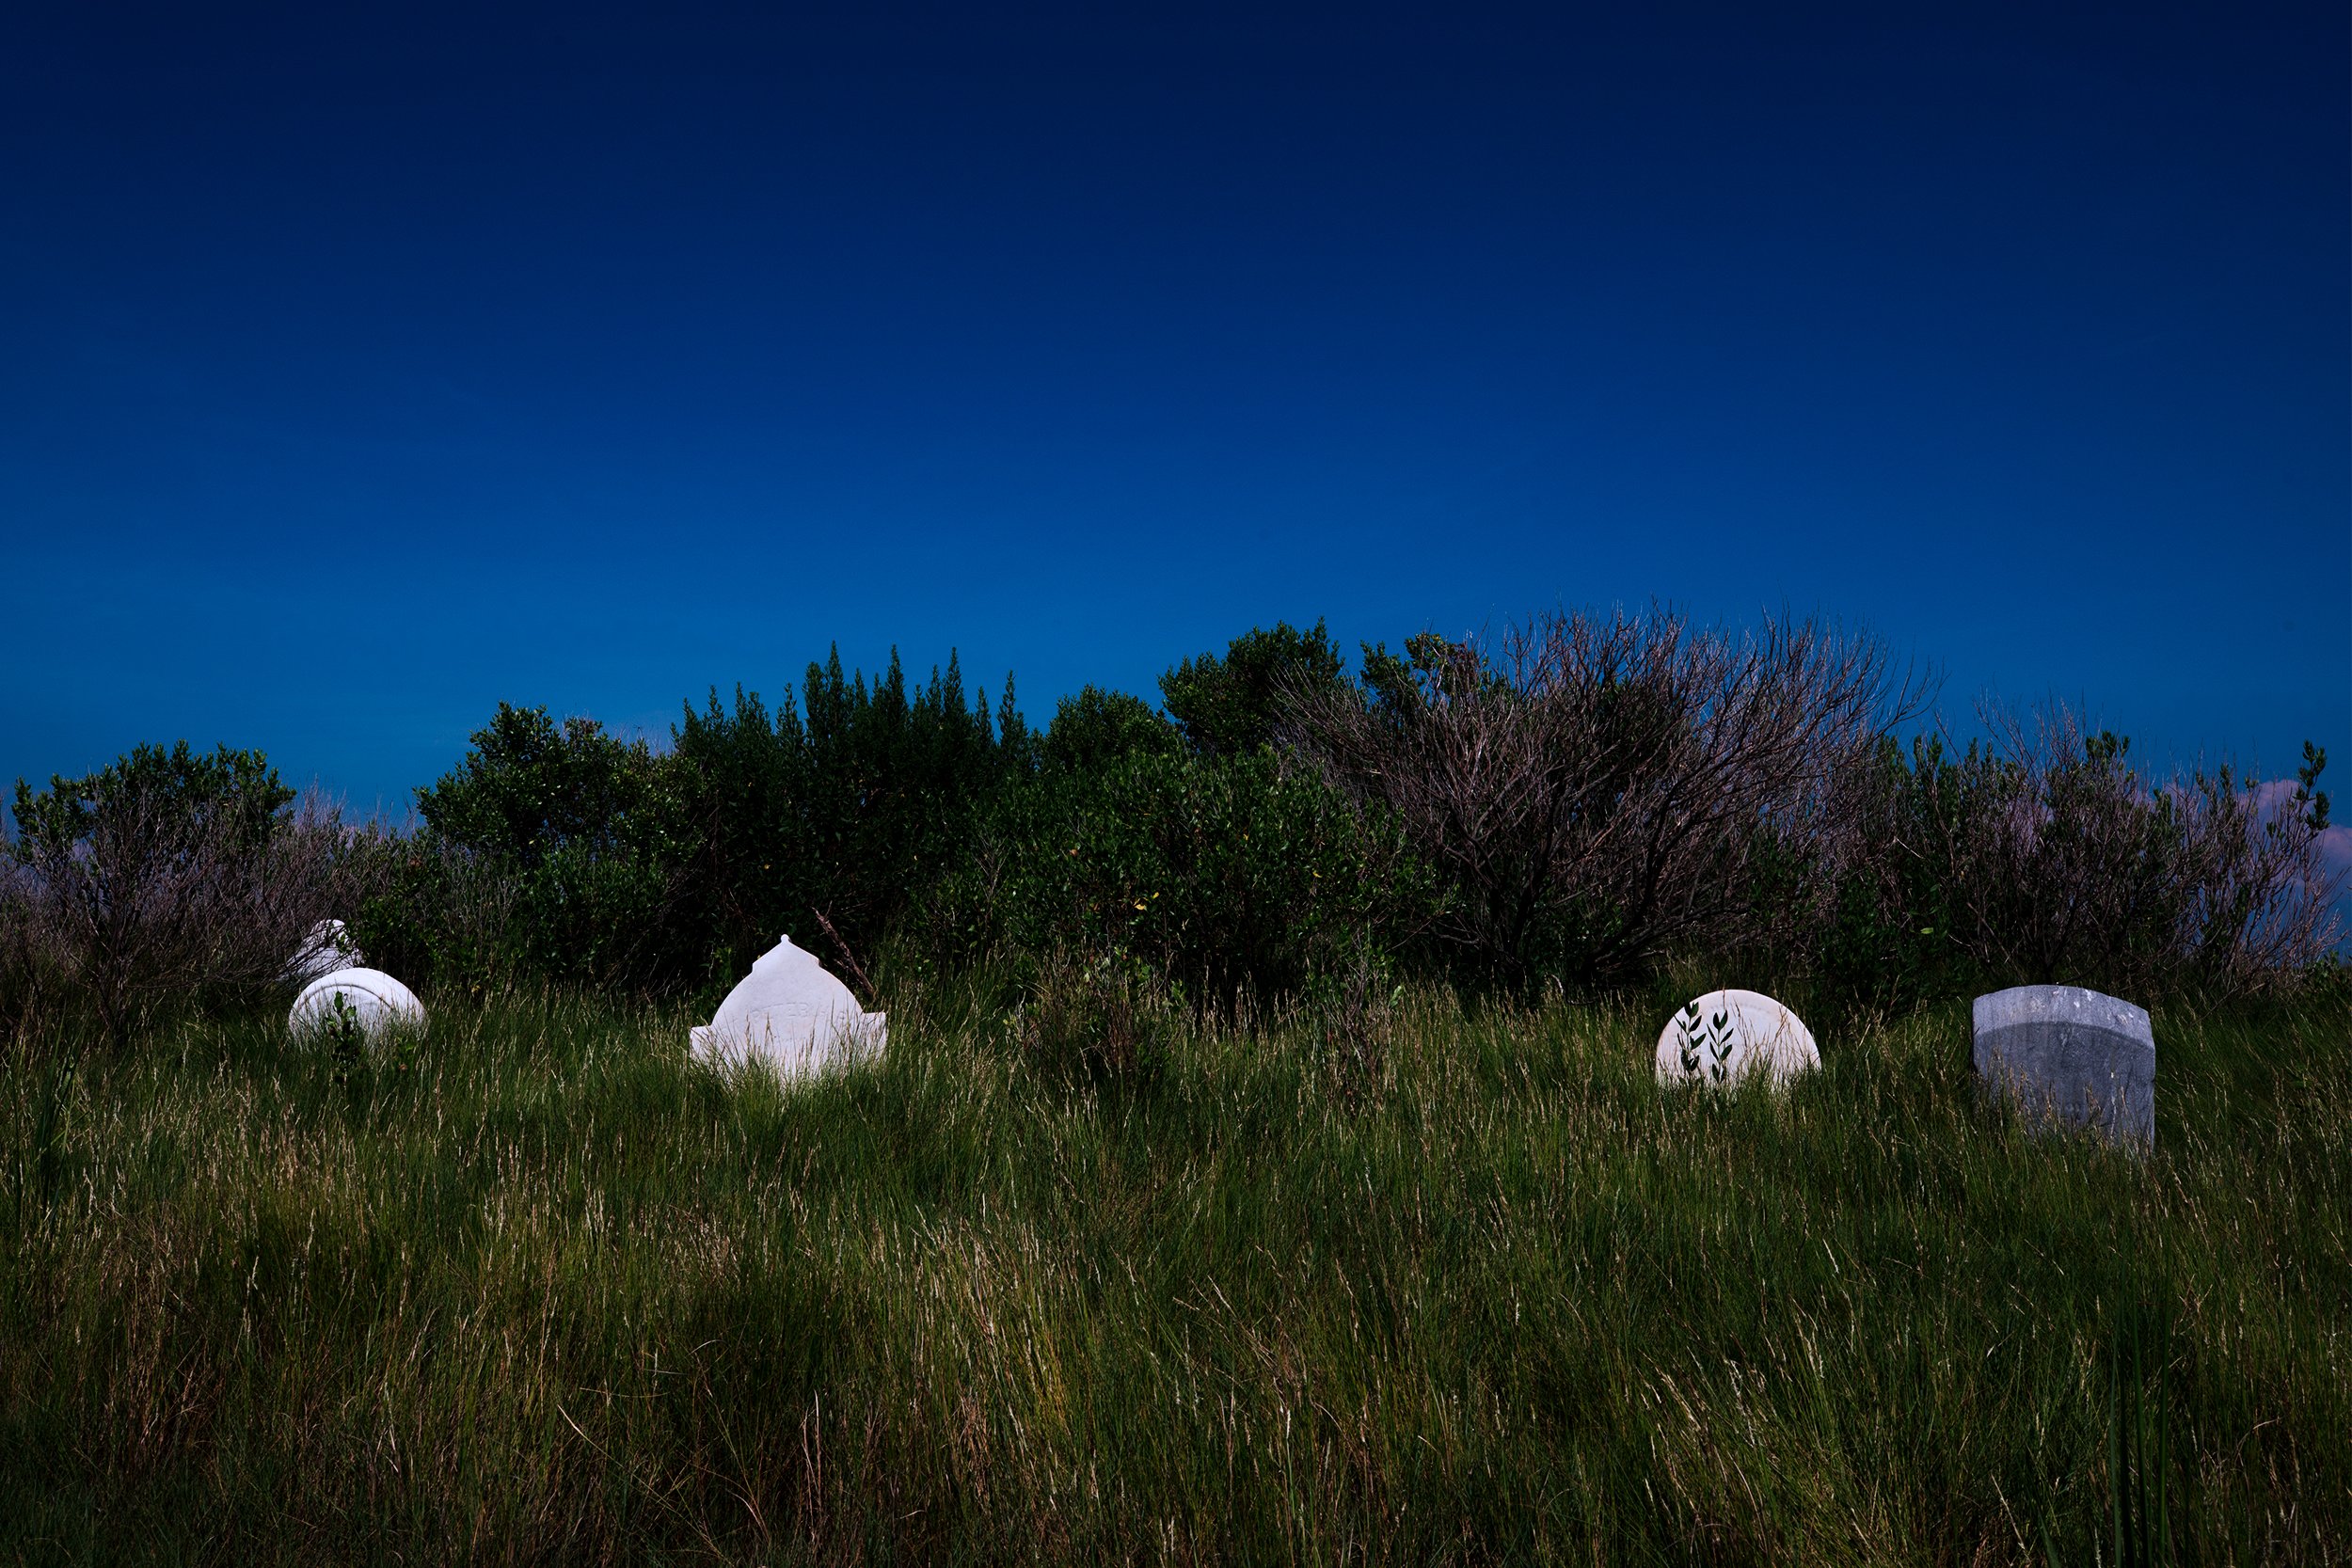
x,y
538,1290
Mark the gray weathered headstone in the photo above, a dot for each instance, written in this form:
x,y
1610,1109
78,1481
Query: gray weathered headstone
x,y
2086,1059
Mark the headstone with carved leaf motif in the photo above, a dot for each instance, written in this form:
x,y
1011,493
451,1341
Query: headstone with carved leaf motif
x,y
1726,1035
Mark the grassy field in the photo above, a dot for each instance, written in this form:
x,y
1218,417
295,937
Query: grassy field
x,y
536,1290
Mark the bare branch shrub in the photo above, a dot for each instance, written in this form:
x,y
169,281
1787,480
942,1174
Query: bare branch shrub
x,y
1601,791
147,905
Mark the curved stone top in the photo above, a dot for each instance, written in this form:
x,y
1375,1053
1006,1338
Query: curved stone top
x,y
2023,1004
326,949
376,1000
1724,1035
790,1012
2085,1058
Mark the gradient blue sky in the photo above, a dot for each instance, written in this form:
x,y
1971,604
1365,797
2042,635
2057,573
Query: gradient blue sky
x,y
361,368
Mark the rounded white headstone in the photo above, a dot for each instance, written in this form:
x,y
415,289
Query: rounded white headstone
x,y
1726,1035
789,1013
374,998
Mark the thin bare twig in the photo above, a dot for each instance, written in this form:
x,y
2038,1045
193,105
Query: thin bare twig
x,y
847,957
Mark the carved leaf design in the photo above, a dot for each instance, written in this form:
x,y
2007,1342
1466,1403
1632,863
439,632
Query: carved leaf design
x,y
1723,1042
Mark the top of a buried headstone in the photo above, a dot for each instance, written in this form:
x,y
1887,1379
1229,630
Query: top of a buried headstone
x,y
2085,1058
792,1014
326,949
1726,1035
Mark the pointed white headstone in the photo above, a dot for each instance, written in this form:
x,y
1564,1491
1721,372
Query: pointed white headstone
x,y
791,1014
1726,1035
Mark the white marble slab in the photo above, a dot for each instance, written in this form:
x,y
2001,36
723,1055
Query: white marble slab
x,y
790,1014
377,1001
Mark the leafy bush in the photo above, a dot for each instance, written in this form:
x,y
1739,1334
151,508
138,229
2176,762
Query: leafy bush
x,y
559,850
437,911
827,820
1231,706
568,831
1226,876
2044,857
1097,728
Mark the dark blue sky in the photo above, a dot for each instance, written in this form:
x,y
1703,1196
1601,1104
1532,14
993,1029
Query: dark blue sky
x,y
362,369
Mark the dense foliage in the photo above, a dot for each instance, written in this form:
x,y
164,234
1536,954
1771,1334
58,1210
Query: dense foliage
x,y
177,797
1581,802
864,818
1224,876
1231,705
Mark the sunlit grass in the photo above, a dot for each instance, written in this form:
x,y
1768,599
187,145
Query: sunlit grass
x,y
539,1288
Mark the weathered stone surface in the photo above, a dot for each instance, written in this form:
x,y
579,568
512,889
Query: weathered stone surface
x,y
375,1001
1726,1035
2077,1057
789,1013
326,949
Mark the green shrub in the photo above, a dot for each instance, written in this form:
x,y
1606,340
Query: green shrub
x,y
179,797
828,820
1097,728
1587,800
1231,876
561,851
1231,706
576,832
437,911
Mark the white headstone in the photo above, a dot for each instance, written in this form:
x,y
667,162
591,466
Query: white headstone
x,y
788,1012
326,949
370,998
1726,1035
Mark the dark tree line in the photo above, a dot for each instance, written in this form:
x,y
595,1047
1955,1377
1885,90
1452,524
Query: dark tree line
x,y
1582,798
